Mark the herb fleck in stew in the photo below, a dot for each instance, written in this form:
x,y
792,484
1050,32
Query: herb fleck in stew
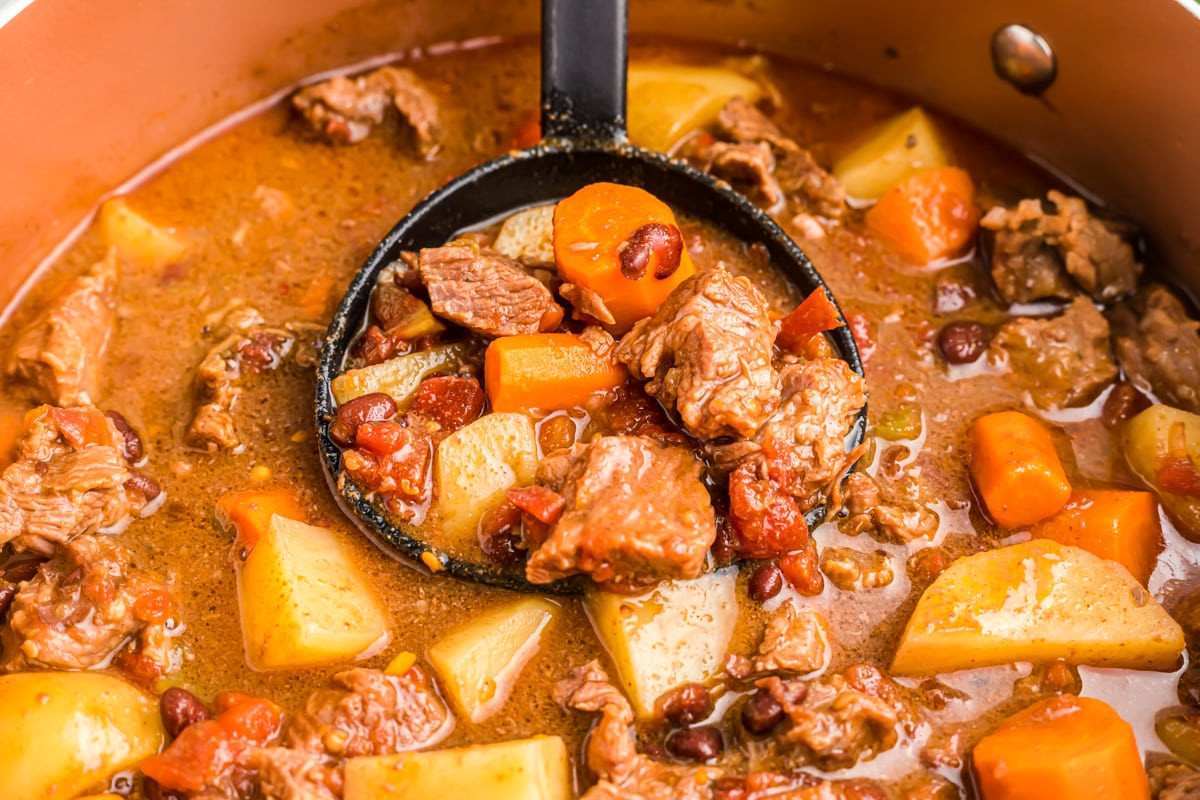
x,y
1000,603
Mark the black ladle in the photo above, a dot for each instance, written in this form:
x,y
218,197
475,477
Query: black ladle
x,y
583,141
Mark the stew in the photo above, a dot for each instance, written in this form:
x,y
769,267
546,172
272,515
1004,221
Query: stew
x,y
1000,603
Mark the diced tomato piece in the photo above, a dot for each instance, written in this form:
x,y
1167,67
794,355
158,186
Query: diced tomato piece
x,y
382,438
206,750
154,606
767,522
81,427
815,314
544,505
801,571
449,401
1179,476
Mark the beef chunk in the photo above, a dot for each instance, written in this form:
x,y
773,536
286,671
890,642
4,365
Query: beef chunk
x,y
747,163
1037,248
253,350
486,292
899,515
1158,346
344,110
795,640
70,478
83,605
59,353
612,755
707,354
756,151
587,305
802,448
841,719
618,526
287,774
369,713
1063,360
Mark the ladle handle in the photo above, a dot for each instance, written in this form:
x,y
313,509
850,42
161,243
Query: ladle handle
x,y
584,55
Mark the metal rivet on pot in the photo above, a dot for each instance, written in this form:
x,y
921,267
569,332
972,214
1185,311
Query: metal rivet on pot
x,y
1023,57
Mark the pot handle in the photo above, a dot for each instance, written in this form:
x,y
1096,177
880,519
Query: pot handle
x,y
584,57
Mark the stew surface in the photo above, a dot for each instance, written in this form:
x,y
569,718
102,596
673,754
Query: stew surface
x,y
982,616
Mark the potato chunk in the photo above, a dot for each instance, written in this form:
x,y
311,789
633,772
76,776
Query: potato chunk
x,y
476,464
525,769
479,662
1036,601
303,602
69,732
667,101
674,634
902,145
398,377
528,236
136,237
1162,446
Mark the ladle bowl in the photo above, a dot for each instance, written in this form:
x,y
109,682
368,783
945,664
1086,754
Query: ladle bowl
x,y
583,112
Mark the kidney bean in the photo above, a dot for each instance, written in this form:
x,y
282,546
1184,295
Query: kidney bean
x,y
652,238
22,567
765,582
1123,402
504,548
686,704
180,708
963,342
723,547
133,442
8,592
696,744
144,485
761,713
374,407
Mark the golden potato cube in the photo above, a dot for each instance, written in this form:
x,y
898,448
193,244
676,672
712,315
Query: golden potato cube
x,y
303,602
136,237
70,732
667,101
525,769
1036,601
398,377
479,662
674,634
475,465
906,143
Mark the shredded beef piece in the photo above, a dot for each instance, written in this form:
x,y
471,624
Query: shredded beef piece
x,y
1173,780
254,349
707,353
795,640
841,719
287,774
619,526
586,304
796,171
1062,361
1158,346
851,570
1034,250
612,753
750,163
83,605
485,291
802,447
369,713
900,517
344,110
59,353
70,478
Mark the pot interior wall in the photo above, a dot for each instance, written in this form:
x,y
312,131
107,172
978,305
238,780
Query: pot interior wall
x,y
100,88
